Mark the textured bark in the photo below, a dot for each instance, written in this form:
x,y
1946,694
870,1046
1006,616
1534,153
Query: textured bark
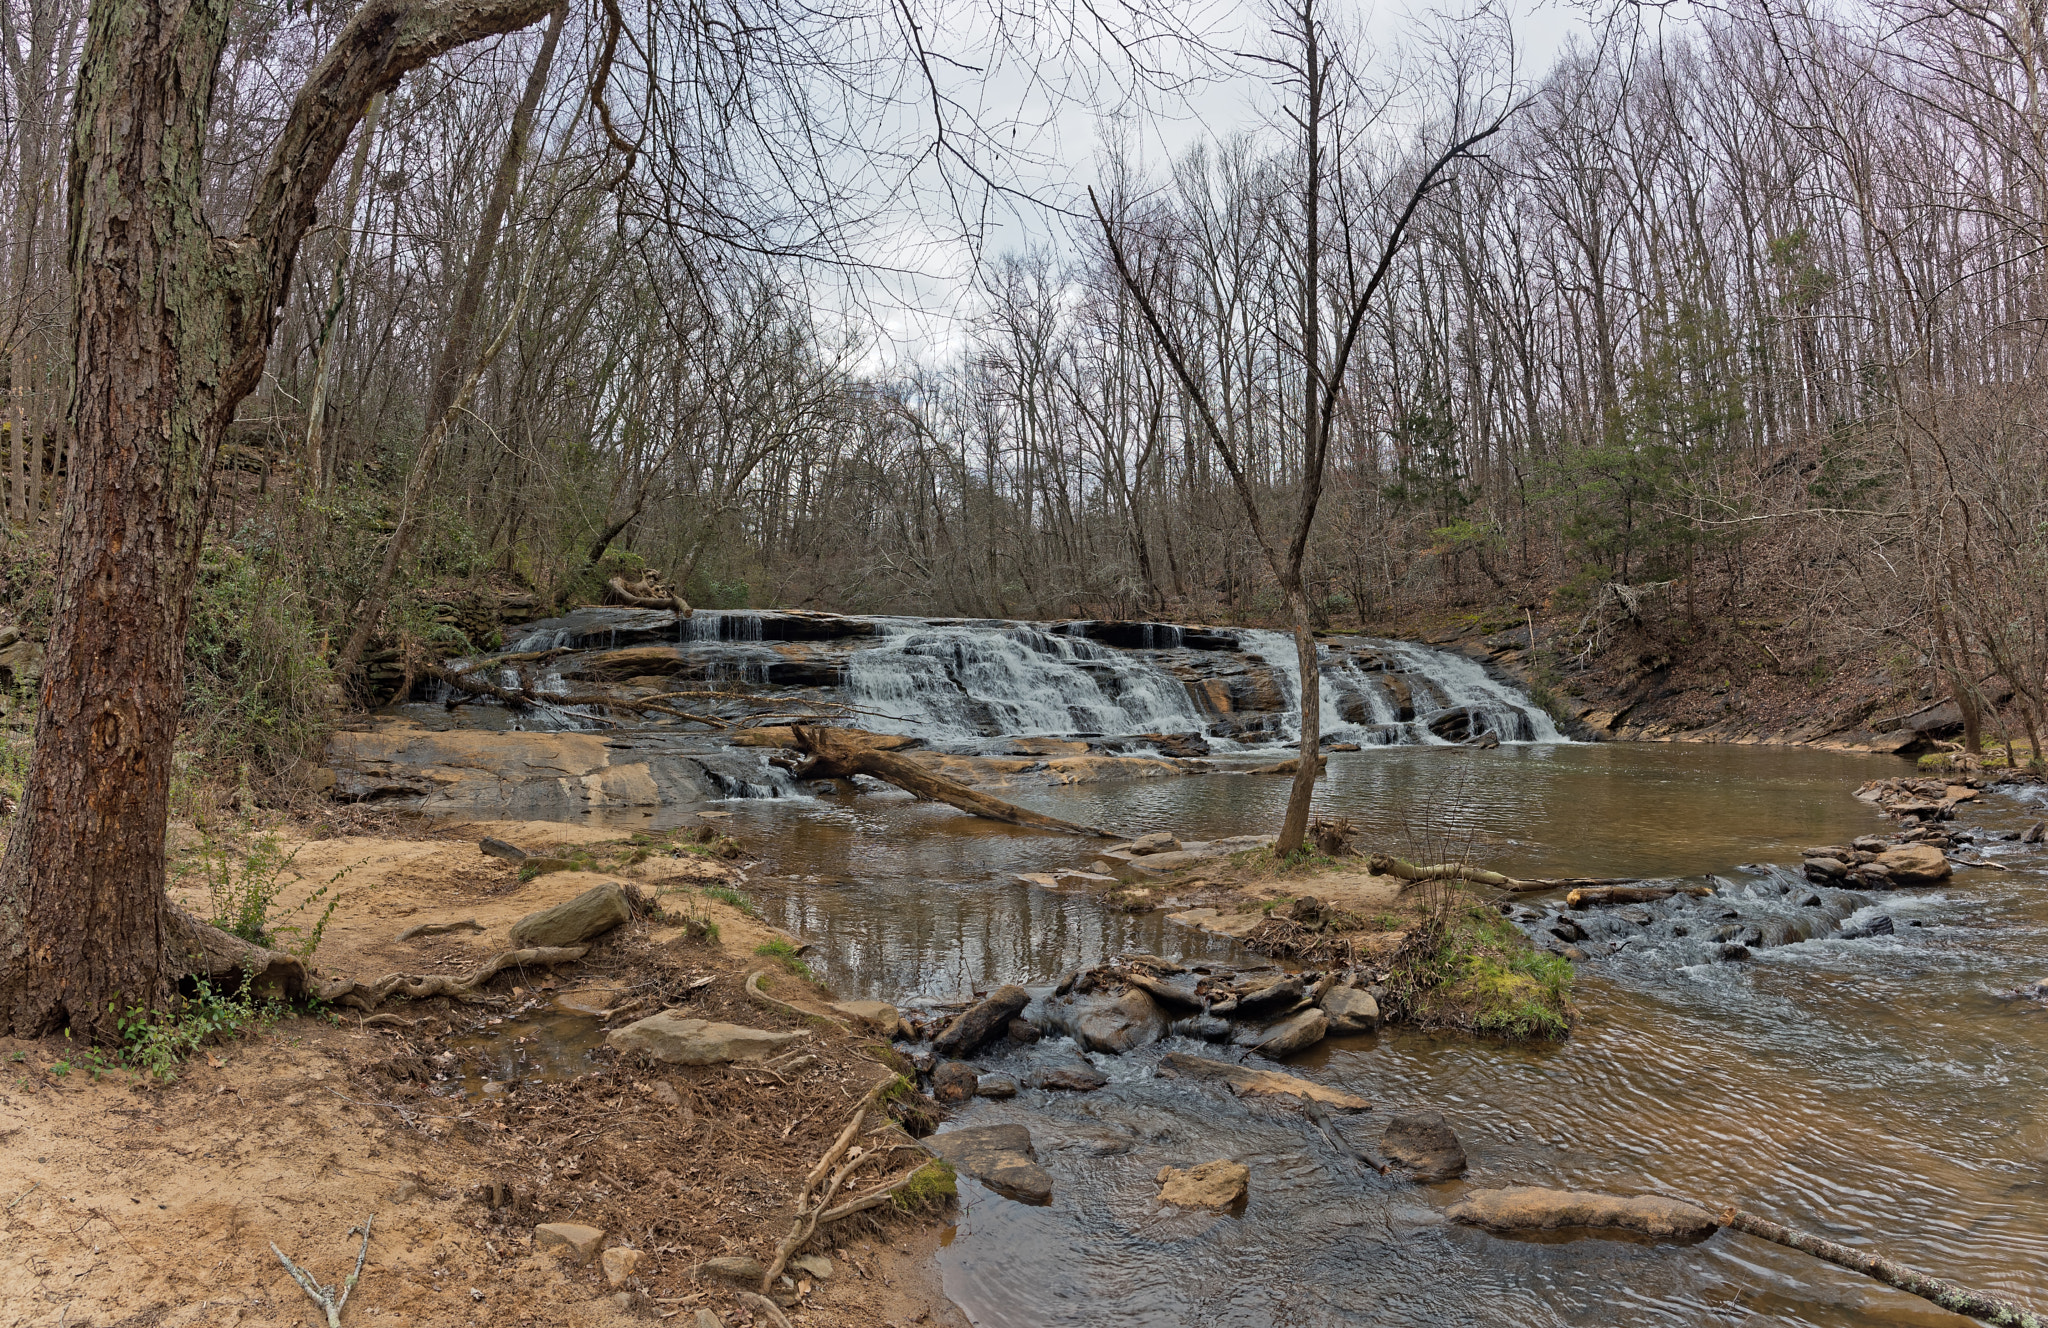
x,y
171,326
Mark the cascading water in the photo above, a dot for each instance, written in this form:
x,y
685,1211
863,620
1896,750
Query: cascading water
x,y
1448,695
962,682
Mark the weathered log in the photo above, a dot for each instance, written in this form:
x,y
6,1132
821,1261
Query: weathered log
x,y
498,848
842,753
1384,864
636,596
1593,896
1957,1300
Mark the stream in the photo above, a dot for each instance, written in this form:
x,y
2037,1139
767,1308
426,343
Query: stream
x,y
1875,1090
1884,1091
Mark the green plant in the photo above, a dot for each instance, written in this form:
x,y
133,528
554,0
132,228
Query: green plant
x,y
1471,968
61,1068
725,894
933,1183
257,685
155,1042
777,948
243,890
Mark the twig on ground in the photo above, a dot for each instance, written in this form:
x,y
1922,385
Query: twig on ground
x,y
331,1299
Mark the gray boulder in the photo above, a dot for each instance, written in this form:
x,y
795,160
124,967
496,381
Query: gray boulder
x,y
596,910
983,1022
1297,1032
954,1082
1423,1146
1067,1076
1000,1157
1110,1024
1351,1010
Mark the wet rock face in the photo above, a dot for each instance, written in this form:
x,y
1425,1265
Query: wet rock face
x,y
1000,1157
954,1082
1526,1208
983,1022
1423,1146
1113,1024
1067,1077
1297,1032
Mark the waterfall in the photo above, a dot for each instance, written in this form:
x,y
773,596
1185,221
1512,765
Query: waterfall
x,y
962,684
961,681
1467,698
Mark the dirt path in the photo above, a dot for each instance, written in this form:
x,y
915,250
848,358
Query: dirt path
x,y
123,1201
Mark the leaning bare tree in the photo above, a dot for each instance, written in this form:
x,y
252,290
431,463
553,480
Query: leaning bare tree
x,y
172,321
1340,230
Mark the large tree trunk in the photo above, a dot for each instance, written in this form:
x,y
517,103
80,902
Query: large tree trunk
x,y
171,326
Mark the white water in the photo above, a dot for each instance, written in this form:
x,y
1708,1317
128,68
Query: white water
x,y
968,681
1504,712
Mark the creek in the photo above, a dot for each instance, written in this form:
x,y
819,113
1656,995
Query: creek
x,y
1881,1090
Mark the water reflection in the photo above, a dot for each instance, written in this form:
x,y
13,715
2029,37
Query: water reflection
x,y
1873,1090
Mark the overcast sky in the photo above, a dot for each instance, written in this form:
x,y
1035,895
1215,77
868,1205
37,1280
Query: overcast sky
x,y
925,292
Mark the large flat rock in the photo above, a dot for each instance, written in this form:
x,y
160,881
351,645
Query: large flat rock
x,y
679,1041
1528,1208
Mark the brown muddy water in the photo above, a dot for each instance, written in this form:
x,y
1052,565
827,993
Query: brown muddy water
x,y
1878,1091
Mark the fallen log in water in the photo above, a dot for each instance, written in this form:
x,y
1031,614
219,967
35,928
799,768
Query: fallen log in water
x,y
1385,864
1594,896
843,753
1958,1300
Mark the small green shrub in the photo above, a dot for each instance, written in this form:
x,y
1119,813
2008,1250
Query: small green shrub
x,y
243,890
932,1184
725,894
156,1043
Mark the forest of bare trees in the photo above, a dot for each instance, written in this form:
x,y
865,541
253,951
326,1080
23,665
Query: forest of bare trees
x,y
1746,311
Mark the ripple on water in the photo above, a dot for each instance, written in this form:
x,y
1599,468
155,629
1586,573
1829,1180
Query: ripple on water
x,y
1872,1090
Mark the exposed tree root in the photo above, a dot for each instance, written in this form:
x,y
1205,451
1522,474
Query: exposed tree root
x,y
843,753
331,1299
755,993
808,1214
1957,1300
420,987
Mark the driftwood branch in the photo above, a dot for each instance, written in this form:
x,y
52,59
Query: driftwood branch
x,y
331,1299
1385,864
1592,896
808,1215
1958,1300
843,753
